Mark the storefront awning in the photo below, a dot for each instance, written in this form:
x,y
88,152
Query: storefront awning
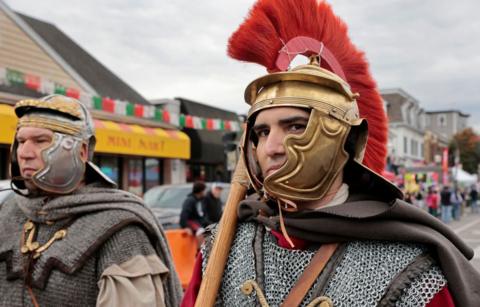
x,y
8,124
118,138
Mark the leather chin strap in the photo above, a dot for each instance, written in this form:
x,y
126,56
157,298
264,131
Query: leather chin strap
x,y
18,190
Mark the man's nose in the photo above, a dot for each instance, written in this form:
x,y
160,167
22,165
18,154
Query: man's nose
x,y
26,150
274,145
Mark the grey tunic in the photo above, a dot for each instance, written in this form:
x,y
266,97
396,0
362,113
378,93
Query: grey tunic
x,y
66,274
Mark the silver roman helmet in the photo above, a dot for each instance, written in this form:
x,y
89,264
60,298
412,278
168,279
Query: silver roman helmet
x,y
72,126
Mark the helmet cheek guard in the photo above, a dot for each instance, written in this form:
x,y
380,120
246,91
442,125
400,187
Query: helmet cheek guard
x,y
63,154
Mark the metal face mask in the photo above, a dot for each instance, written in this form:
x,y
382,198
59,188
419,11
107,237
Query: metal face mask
x,y
317,156
62,155
72,125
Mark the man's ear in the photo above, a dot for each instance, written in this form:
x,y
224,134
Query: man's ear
x,y
84,152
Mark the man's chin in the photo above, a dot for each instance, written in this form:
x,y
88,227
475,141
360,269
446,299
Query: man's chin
x,y
29,184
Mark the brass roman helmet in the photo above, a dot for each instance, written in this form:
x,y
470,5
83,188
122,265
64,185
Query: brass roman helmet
x,y
319,152
335,87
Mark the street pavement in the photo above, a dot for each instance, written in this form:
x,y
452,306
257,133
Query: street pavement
x,y
468,228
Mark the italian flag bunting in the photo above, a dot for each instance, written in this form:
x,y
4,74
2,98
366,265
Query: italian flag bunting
x,y
32,82
189,121
130,108
60,89
71,92
181,121
108,105
97,102
158,114
210,124
166,116
138,110
14,77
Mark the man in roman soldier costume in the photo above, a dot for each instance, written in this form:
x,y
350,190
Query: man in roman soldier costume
x,y
68,237
322,228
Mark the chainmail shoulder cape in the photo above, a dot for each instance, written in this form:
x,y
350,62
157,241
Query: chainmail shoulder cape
x,y
95,198
363,219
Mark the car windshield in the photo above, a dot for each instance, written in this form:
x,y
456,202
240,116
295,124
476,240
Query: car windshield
x,y
172,197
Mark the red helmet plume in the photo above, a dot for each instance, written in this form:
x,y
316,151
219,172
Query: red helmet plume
x,y
272,26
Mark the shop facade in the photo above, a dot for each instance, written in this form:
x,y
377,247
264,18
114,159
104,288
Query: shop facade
x,y
135,157
134,147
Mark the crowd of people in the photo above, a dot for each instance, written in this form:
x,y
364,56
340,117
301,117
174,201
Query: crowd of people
x,y
201,208
448,203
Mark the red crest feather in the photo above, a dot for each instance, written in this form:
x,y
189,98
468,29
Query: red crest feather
x,y
272,23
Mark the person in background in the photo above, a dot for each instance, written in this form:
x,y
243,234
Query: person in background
x,y
192,216
474,199
408,198
212,204
432,201
456,201
69,237
446,204
419,199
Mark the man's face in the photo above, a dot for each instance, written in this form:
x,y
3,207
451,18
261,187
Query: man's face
x,y
216,192
31,141
271,127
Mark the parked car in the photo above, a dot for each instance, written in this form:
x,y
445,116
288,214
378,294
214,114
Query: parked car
x,y
166,201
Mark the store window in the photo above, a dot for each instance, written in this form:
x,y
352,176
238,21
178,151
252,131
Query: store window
x,y
135,176
110,167
153,173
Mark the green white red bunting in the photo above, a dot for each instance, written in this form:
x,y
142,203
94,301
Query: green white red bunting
x,y
12,77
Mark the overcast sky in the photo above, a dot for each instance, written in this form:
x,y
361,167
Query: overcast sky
x,y
163,49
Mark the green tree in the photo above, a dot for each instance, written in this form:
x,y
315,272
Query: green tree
x,y
465,145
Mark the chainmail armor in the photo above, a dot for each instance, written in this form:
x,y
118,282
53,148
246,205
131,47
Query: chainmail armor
x,y
240,267
366,270
282,268
360,278
423,289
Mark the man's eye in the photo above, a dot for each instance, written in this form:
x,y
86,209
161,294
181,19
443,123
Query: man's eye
x,y
262,133
297,127
43,141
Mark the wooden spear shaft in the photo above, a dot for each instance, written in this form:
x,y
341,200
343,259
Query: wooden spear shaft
x,y
223,240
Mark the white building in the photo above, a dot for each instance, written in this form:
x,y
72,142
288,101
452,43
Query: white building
x,y
407,123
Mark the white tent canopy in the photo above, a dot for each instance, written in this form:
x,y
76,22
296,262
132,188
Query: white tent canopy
x,y
462,177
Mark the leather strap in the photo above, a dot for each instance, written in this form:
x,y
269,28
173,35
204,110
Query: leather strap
x,y
309,275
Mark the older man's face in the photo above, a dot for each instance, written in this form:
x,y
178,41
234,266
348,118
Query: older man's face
x,y
31,141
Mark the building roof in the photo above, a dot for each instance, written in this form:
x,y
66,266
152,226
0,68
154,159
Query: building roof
x,y
191,107
448,111
399,92
206,145
99,77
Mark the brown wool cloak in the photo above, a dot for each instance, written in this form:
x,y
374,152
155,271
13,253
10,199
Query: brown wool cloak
x,y
363,219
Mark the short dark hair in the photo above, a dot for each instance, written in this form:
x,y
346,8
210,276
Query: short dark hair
x,y
198,187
